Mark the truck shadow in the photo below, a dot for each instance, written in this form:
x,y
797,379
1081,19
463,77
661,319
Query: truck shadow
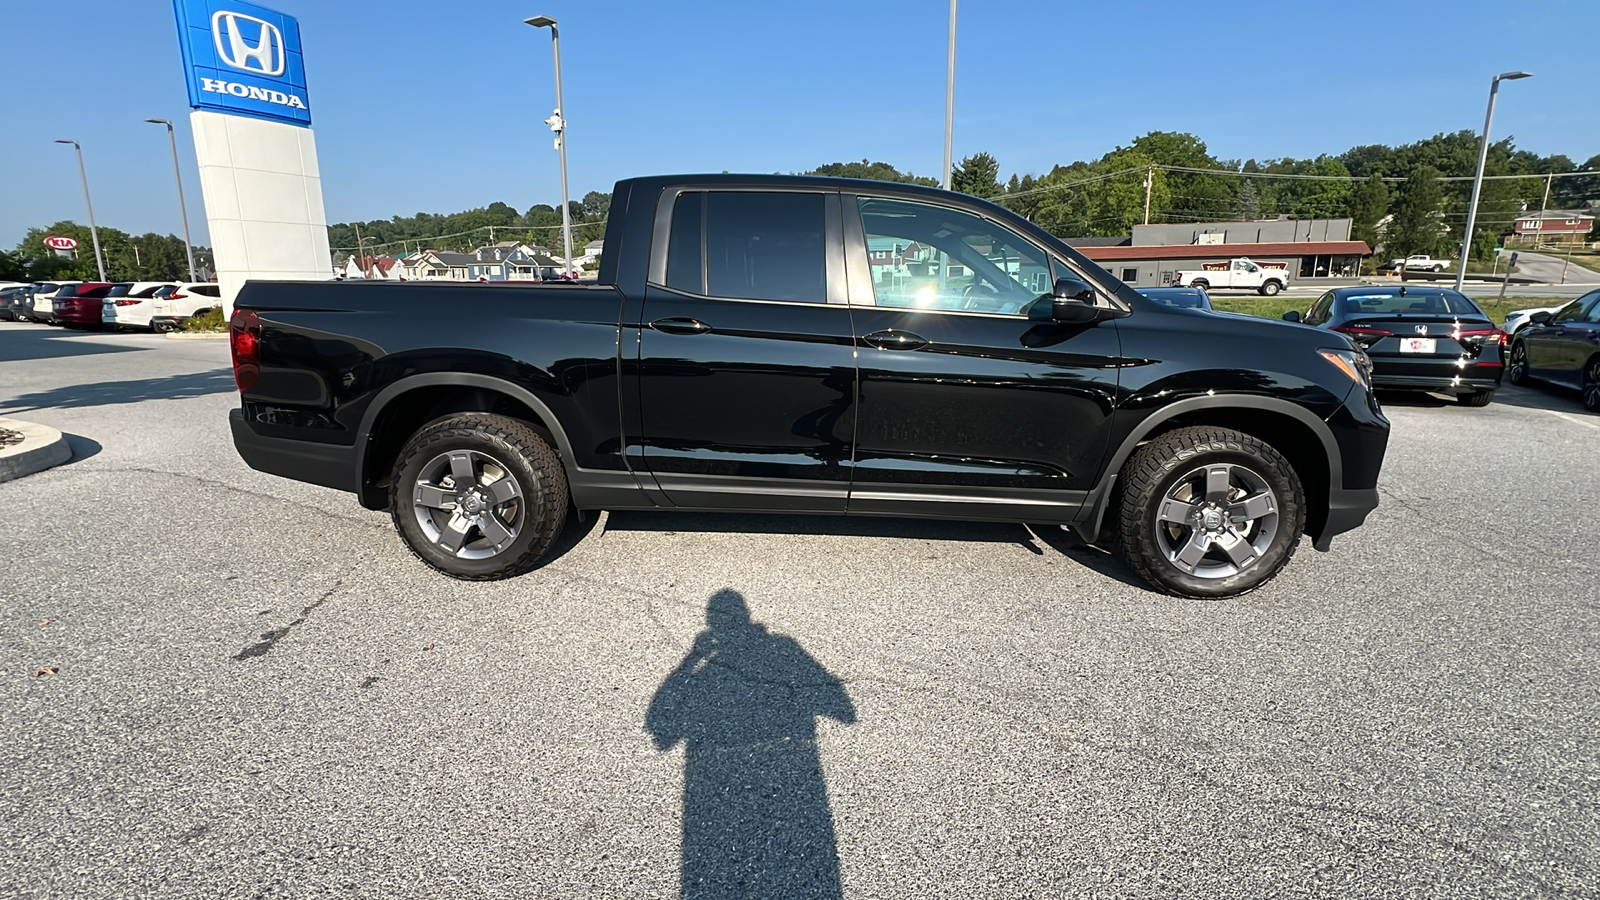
x,y
1053,537
40,342
104,393
744,703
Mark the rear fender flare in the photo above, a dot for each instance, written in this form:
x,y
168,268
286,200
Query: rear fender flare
x,y
1095,506
460,379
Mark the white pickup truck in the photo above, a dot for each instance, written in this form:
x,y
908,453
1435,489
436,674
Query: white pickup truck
x,y
1421,262
1266,278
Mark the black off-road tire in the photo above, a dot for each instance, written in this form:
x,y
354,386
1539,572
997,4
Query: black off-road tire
x,y
1159,466
1480,398
526,456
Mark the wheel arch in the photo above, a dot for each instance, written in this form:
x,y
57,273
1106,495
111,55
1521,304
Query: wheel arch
x,y
410,403
1292,430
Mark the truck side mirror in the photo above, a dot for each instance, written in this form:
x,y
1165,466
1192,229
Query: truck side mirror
x,y
1292,315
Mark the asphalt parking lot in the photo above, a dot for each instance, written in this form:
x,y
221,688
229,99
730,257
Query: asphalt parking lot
x,y
258,691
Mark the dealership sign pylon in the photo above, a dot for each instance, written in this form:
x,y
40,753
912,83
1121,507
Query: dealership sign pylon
x,y
253,140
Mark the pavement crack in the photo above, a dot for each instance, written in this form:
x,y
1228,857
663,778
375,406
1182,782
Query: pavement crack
x,y
271,638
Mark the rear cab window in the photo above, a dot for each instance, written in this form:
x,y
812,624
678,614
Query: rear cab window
x,y
749,245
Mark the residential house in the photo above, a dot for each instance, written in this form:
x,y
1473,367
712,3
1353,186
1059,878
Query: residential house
x,y
1551,226
374,268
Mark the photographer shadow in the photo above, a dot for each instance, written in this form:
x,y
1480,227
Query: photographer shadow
x,y
756,817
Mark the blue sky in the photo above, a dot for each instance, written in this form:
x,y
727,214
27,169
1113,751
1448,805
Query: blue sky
x,y
438,107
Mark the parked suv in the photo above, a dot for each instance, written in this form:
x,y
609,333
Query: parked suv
x,y
182,302
132,304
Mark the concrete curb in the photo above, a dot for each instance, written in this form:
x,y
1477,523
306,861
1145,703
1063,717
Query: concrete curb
x,y
41,448
197,335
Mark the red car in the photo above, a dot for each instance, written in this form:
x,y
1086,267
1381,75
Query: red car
x,y
79,306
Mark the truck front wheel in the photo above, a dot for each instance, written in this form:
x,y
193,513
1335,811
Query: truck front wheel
x,y
478,496
1209,512
1271,288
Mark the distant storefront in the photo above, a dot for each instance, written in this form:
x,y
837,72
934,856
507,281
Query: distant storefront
x,y
1308,249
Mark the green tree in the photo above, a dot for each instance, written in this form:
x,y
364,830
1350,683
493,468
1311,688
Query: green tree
x,y
11,268
873,171
1417,226
978,175
1369,203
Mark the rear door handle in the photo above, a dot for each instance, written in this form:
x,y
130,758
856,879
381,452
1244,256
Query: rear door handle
x,y
680,325
895,340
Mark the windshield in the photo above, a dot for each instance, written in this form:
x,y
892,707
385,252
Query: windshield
x,y
1412,302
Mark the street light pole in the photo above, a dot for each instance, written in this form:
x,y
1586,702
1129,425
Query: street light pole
x,y
94,233
558,124
183,209
1477,180
950,97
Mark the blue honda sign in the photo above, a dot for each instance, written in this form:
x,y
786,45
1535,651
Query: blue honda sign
x,y
243,59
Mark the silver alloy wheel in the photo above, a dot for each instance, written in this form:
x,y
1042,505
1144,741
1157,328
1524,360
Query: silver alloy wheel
x,y
1217,520
1591,387
468,503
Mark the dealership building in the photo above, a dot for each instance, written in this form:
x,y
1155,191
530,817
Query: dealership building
x,y
1312,251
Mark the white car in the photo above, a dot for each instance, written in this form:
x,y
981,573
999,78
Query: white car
x,y
133,304
1517,319
182,302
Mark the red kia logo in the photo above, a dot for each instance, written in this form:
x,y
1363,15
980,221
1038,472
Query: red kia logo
x,y
61,243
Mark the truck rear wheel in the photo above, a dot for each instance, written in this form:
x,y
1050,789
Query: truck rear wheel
x,y
1200,283
478,496
1271,288
1209,512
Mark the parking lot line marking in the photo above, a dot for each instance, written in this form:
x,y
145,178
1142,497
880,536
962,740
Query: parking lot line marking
x,y
1573,419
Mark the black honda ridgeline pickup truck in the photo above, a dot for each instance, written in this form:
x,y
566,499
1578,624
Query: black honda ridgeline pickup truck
x,y
814,345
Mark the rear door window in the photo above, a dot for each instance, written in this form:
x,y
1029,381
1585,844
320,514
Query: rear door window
x,y
765,245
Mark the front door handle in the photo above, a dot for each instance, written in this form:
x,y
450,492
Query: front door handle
x,y
895,340
680,325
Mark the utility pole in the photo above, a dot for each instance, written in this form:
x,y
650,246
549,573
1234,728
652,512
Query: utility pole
x,y
1544,205
361,251
1149,178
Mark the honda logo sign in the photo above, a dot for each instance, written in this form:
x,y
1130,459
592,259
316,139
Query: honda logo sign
x,y
263,56
243,59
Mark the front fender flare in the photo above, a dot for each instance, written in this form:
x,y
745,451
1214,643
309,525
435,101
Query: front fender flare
x,y
1094,508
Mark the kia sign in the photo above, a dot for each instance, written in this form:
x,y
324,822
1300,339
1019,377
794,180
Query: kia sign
x,y
243,59
60,243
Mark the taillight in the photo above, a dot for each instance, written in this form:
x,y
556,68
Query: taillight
x,y
128,302
1486,335
244,338
176,295
1365,335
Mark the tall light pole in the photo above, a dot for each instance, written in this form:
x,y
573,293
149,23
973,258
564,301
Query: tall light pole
x,y
950,97
94,233
1477,180
558,124
183,210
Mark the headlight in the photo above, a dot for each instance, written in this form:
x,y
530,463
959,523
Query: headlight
x,y
1353,363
